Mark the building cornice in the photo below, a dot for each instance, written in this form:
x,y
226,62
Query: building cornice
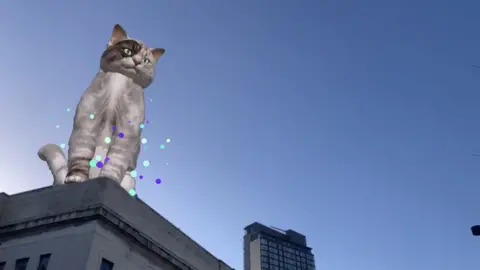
x,y
94,212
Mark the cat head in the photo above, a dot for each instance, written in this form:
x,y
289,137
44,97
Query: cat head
x,y
130,57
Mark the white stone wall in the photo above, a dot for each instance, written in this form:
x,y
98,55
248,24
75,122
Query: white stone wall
x,y
125,254
69,247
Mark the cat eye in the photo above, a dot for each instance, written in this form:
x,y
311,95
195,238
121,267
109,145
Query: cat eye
x,y
146,60
127,52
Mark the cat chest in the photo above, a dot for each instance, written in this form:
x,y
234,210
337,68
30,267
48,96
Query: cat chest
x,y
115,87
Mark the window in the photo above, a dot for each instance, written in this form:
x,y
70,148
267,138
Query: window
x,y
106,265
21,264
43,262
2,265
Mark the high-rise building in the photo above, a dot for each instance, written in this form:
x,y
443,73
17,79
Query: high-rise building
x,y
269,248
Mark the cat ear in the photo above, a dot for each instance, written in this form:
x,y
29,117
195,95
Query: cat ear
x,y
118,34
157,52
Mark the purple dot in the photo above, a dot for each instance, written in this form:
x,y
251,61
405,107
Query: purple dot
x,y
121,134
141,177
106,159
129,121
114,128
158,181
99,164
148,121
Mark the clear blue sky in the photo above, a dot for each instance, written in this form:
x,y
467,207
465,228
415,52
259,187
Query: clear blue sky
x,y
353,123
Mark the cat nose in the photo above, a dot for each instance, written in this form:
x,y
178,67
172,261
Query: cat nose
x,y
137,59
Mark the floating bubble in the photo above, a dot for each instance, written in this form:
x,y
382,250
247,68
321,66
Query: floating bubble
x,y
142,126
93,163
133,173
62,146
167,140
108,140
146,163
144,140
92,116
98,158
121,135
141,177
132,192
162,146
158,181
99,164
68,109
57,126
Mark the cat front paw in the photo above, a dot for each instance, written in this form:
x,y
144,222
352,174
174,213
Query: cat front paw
x,y
75,178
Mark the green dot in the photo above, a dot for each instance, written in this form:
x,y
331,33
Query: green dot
x,y
108,140
93,163
133,173
98,158
162,146
132,192
92,116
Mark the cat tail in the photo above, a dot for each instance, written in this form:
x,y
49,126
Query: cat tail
x,y
56,160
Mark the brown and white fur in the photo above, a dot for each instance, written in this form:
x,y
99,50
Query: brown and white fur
x,y
115,98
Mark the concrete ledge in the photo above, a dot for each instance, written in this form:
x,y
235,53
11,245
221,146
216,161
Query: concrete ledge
x,y
105,200
101,213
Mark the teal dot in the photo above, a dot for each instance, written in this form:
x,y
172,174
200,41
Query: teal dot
x,y
93,163
68,109
162,146
132,192
133,173
142,125
144,140
108,140
98,158
92,116
146,163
